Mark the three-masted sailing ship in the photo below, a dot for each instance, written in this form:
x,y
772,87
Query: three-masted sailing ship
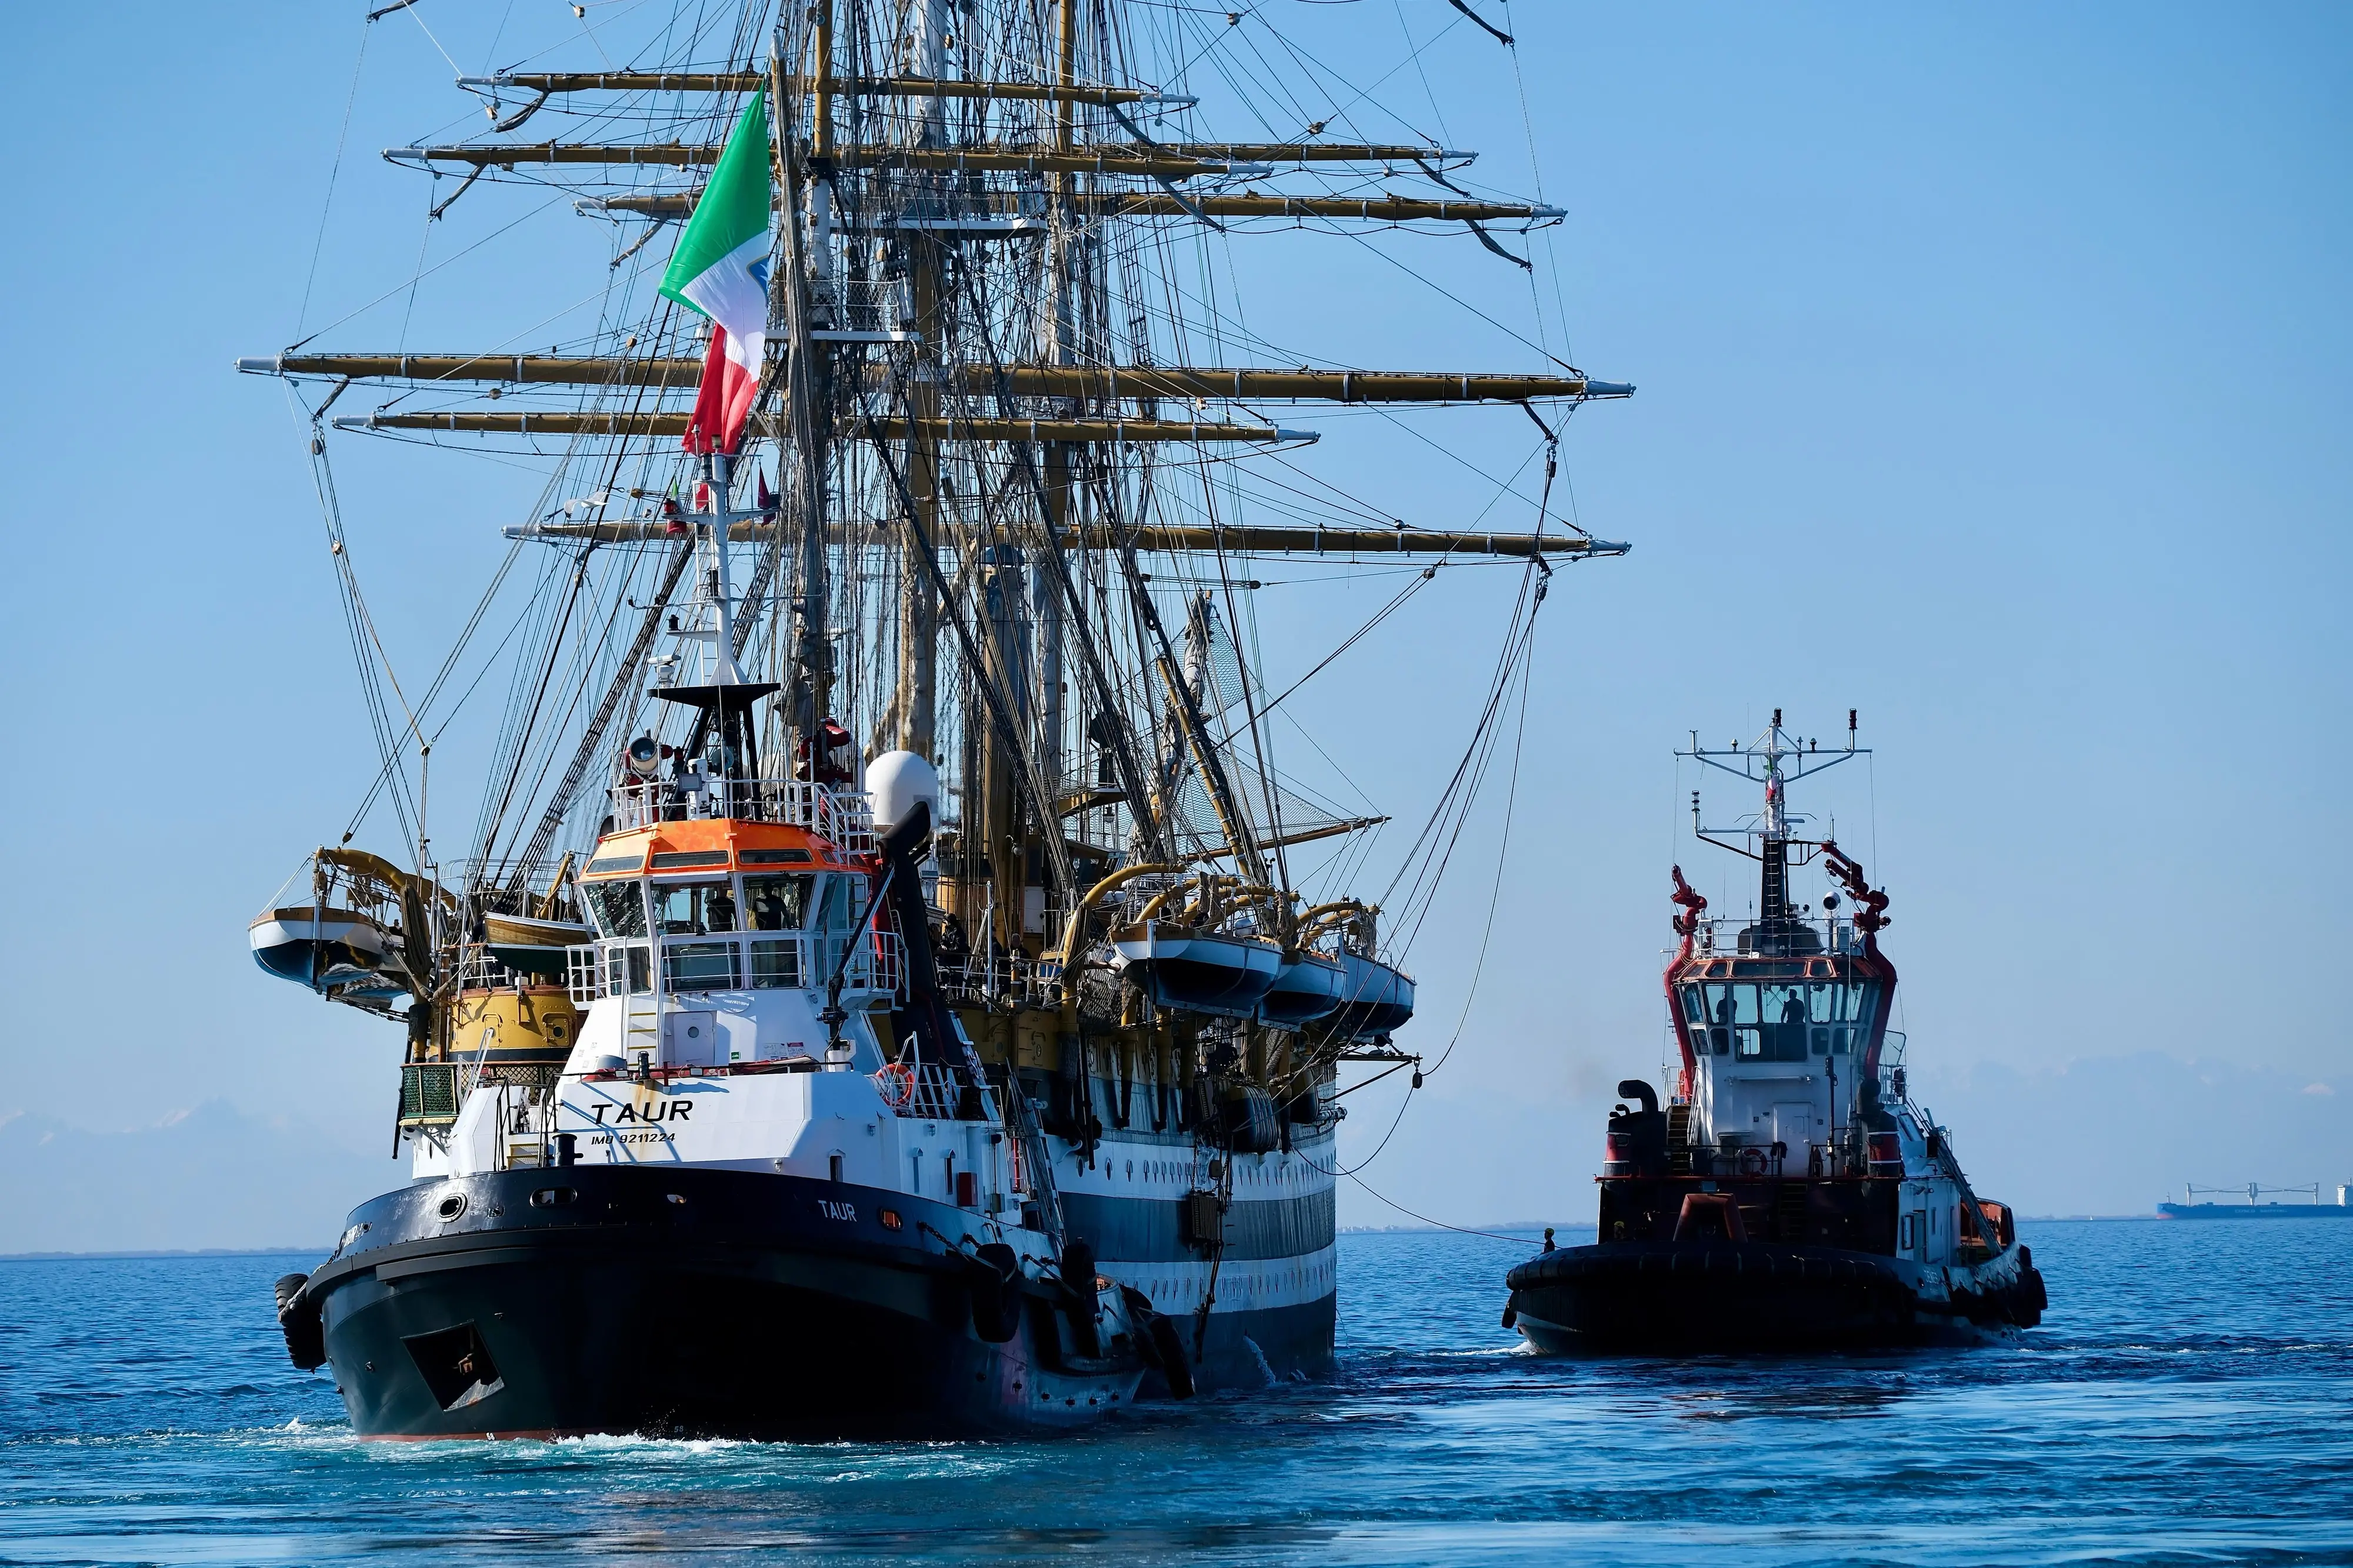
x,y
882,992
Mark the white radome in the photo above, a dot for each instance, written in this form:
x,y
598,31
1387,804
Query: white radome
x,y
895,781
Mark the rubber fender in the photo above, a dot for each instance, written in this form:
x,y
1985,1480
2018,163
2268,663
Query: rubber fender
x,y
1157,1342
994,1276
1511,1316
1174,1367
298,1320
1079,1295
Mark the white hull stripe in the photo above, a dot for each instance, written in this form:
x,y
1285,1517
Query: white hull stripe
x,y
1242,1286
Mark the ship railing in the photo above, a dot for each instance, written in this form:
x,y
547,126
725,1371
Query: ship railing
x,y
920,1091
843,817
878,961
1720,934
840,816
966,981
739,961
640,804
478,970
584,974
1013,979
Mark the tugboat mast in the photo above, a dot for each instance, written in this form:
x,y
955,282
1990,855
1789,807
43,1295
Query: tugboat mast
x,y
1775,761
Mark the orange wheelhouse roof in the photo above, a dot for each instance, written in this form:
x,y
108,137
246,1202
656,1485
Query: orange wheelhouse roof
x,y
714,844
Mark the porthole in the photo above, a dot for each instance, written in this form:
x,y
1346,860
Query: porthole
x,y
451,1207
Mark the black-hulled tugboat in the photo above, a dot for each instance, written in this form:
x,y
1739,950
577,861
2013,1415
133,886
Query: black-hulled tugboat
x,y
1789,1194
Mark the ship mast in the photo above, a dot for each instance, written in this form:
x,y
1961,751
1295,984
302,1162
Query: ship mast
x,y
1775,761
974,443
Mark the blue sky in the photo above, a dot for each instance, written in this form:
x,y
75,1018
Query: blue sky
x,y
1991,383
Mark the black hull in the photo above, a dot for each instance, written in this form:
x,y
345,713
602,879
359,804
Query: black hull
x,y
684,1301
1706,1297
1243,1349
1251,1350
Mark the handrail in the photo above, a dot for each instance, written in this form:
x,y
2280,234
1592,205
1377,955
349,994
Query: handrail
x,y
841,817
874,961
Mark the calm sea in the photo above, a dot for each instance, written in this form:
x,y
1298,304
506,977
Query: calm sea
x,y
2189,1400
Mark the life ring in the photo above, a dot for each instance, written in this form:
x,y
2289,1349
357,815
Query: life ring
x,y
897,1082
1752,1161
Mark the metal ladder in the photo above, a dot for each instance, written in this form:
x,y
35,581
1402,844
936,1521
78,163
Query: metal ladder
x,y
1679,1154
1789,1212
640,1027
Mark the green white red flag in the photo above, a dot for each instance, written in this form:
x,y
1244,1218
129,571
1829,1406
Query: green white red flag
x,y
720,271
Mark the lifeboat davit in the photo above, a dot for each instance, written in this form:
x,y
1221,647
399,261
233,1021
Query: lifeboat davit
x,y
1375,998
324,949
1202,971
1308,986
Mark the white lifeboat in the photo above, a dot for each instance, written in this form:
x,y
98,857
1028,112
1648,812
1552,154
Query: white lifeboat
x,y
1201,971
1308,986
1375,998
324,948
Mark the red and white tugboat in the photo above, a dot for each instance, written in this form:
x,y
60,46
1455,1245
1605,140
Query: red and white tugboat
x,y
1790,1195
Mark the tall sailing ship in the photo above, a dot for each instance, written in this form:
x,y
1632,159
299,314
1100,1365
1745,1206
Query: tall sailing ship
x,y
884,990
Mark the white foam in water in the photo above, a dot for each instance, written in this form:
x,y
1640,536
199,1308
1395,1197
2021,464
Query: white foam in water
x,y
1260,1356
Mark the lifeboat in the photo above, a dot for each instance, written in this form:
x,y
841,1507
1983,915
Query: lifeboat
x,y
1204,972
326,949
1375,998
530,944
1308,986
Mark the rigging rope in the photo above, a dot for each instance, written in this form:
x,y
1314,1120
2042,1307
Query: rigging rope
x,y
1440,1224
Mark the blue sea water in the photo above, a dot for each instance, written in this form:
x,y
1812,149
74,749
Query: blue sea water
x,y
2189,1400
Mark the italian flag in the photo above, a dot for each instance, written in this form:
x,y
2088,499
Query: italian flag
x,y
720,270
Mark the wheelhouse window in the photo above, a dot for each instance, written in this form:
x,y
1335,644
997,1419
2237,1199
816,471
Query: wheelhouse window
x,y
842,904
777,902
1772,1021
694,909
616,908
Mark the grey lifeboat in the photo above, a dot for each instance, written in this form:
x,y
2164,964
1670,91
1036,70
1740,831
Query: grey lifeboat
x,y
1375,998
326,949
1308,986
1201,971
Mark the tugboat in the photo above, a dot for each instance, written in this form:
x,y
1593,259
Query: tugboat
x,y
831,1236
1790,1195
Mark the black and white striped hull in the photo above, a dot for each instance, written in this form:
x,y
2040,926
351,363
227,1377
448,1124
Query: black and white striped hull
x,y
1270,1288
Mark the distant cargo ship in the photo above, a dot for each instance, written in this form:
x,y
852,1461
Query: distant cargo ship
x,y
2255,1207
